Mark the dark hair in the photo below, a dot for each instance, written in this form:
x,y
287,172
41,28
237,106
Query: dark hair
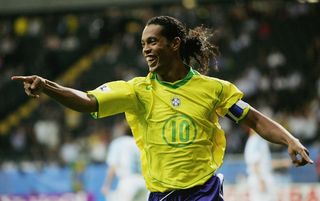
x,y
196,49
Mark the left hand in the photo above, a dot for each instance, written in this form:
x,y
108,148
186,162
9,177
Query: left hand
x,y
298,153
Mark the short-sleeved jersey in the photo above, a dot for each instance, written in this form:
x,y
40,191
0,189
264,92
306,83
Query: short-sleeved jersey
x,y
175,125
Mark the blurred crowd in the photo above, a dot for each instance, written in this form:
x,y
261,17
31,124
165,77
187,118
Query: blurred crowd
x,y
271,51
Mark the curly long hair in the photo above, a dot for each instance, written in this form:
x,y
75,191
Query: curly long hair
x,y
197,48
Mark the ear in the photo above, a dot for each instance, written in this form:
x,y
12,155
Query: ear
x,y
175,44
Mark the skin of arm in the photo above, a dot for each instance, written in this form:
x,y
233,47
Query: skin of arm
x,y
262,183
110,175
275,133
74,99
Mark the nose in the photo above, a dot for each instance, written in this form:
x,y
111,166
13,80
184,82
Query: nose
x,y
146,49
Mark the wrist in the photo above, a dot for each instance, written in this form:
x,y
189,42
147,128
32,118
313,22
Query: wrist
x,y
292,140
47,86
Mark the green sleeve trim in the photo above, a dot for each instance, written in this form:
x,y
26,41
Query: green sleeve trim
x,y
94,115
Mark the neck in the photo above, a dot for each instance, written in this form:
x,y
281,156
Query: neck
x,y
177,72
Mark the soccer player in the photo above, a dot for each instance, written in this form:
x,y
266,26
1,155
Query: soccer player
x,y
123,162
257,156
173,112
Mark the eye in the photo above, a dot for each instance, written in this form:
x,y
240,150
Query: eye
x,y
153,41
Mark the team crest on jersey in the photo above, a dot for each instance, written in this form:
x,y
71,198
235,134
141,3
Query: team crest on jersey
x,y
175,102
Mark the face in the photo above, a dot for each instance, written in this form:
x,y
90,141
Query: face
x,y
156,49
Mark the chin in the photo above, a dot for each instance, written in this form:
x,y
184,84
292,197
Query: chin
x,y
153,69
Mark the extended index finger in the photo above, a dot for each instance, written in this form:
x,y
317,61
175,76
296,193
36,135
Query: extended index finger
x,y
21,78
305,156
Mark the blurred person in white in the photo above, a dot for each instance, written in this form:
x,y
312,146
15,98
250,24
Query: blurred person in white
x,y
260,176
47,132
304,123
260,166
18,141
123,162
70,150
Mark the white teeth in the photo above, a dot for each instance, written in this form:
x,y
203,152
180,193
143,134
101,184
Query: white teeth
x,y
150,58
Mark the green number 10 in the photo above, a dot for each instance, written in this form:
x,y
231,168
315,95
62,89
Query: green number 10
x,y
184,128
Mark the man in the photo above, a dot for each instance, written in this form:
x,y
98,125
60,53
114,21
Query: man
x,y
257,156
123,162
260,168
173,112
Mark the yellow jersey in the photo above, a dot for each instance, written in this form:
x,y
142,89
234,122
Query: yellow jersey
x,y
175,125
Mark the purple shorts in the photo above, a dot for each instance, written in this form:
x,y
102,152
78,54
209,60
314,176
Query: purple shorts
x,y
210,191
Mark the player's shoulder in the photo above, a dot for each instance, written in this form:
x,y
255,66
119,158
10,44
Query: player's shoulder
x,y
210,80
140,83
139,80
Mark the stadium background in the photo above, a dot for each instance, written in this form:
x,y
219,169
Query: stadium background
x,y
270,50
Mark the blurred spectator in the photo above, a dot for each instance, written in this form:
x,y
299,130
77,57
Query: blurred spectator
x,y
35,27
21,26
47,132
304,124
19,141
276,59
70,150
73,120
97,142
249,82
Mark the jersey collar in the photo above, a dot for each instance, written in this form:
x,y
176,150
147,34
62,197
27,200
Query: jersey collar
x,y
178,83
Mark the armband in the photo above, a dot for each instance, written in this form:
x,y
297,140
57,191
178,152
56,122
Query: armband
x,y
238,111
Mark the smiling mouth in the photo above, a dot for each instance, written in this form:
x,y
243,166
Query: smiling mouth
x,y
151,60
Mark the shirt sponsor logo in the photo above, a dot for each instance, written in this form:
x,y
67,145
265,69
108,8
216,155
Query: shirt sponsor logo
x,y
104,88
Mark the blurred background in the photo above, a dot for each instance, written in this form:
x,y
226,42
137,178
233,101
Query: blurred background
x,y
269,49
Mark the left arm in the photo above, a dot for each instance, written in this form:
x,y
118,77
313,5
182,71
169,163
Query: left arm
x,y
275,133
110,176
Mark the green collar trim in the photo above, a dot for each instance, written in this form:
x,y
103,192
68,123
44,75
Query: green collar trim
x,y
178,83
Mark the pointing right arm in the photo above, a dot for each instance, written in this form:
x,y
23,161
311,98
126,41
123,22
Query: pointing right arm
x,y
74,99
